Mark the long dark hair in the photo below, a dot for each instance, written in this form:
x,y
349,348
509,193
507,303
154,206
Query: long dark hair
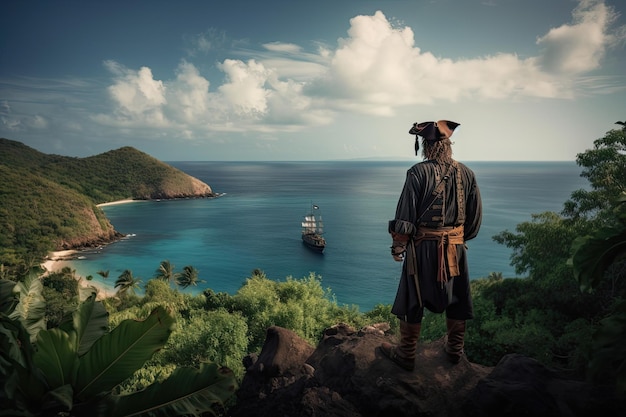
x,y
440,151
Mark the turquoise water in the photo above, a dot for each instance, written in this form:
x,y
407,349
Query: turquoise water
x,y
256,224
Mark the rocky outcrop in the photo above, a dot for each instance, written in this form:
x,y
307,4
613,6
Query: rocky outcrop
x,y
346,375
89,241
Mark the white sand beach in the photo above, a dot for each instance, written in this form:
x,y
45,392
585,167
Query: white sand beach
x,y
112,203
58,260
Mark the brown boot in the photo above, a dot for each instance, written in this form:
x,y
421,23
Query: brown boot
x,y
404,354
455,339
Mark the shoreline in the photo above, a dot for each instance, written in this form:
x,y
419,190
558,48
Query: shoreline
x,y
113,203
131,200
56,261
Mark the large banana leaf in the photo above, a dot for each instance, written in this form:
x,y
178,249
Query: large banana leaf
x,y
56,356
117,355
14,344
187,392
7,300
90,322
58,401
24,388
31,309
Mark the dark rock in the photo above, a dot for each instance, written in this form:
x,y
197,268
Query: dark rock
x,y
347,376
521,386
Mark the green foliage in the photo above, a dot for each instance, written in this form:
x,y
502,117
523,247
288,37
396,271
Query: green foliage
x,y
546,315
542,246
8,297
480,344
50,200
223,328
299,305
605,167
189,277
157,290
166,272
127,282
574,344
532,317
216,336
188,391
433,326
35,213
30,310
593,254
599,259
215,300
608,362
60,291
381,313
74,369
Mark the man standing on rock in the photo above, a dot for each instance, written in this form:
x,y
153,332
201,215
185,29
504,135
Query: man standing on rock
x,y
438,211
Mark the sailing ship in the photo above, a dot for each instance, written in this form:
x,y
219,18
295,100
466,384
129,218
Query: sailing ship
x,y
313,229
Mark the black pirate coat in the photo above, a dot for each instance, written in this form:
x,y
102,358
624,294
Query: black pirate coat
x,y
419,209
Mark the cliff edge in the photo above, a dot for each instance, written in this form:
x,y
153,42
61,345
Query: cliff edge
x,y
347,375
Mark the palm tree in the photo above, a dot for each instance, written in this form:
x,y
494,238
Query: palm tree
x,y
126,282
495,276
103,274
256,272
166,272
188,277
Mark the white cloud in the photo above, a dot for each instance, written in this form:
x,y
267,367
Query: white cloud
x,y
282,47
137,94
188,95
579,47
244,87
252,98
18,123
39,122
377,69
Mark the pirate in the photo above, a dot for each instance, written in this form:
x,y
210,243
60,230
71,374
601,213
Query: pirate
x,y
439,209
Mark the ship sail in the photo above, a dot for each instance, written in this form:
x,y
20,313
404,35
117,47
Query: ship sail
x,y
313,229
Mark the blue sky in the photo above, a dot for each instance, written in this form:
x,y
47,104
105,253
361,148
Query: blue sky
x,y
311,80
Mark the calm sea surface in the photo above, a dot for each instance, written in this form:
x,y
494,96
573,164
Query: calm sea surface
x,y
256,224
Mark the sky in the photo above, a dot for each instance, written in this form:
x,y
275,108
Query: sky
x,y
284,80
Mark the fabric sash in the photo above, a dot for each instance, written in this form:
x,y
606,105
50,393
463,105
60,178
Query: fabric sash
x,y
447,262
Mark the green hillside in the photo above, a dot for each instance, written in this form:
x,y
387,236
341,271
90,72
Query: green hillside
x,y
48,202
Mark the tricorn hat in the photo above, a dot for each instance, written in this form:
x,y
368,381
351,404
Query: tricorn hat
x,y
432,131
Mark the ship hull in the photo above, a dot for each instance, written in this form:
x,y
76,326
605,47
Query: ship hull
x,y
314,242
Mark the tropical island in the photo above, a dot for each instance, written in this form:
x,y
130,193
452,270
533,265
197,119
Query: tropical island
x,y
285,346
51,202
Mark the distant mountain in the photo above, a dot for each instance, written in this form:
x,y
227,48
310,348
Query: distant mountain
x,y
48,202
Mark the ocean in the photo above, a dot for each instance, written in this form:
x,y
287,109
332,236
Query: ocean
x,y
255,224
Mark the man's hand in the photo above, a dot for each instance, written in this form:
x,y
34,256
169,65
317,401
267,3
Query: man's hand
x,y
398,252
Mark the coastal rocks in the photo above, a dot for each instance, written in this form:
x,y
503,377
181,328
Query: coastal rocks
x,y
89,241
178,186
346,375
